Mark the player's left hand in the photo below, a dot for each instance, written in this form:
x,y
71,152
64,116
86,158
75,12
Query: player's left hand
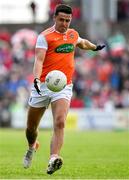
x,y
99,47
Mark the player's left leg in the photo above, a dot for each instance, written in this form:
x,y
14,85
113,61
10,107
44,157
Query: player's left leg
x,y
59,110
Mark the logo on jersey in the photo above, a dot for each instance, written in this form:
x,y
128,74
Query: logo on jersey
x,y
65,48
71,36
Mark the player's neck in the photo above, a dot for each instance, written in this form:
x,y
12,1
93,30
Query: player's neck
x,y
59,31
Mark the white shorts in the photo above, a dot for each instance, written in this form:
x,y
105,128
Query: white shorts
x,y
48,96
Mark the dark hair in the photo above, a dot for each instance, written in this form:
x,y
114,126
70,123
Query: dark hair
x,y
63,8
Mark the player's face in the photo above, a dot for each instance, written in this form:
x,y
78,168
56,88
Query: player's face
x,y
62,22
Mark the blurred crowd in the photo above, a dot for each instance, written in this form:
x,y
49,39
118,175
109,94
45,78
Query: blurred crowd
x,y
101,80
16,62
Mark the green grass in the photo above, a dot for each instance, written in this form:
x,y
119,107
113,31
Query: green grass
x,y
87,155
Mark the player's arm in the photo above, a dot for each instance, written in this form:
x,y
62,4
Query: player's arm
x,y
40,53
87,45
39,59
37,70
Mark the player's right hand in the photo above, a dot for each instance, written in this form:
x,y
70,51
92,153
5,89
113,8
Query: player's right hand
x,y
37,85
99,47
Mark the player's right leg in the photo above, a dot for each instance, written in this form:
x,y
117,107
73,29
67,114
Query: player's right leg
x,y
33,119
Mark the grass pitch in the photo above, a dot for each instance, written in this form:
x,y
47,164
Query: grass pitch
x,y
87,155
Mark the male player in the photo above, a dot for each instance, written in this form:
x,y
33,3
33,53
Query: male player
x,y
54,51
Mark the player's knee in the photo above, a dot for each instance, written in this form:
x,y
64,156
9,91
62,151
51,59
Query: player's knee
x,y
60,124
31,129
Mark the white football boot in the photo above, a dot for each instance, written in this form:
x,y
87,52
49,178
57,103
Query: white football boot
x,y
29,155
54,164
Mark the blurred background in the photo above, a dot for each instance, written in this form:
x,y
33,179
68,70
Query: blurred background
x,y
101,80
